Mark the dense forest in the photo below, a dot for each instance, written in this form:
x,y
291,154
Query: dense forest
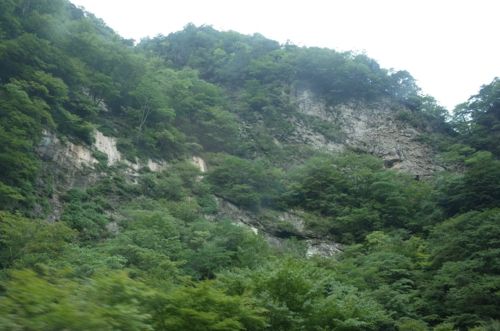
x,y
104,248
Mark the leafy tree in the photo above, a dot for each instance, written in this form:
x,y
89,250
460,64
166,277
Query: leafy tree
x,y
388,266
85,216
299,295
26,242
149,242
216,247
356,195
478,119
464,252
136,250
246,183
478,188
20,128
204,307
32,302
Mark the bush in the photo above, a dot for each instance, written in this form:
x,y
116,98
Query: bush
x,y
250,184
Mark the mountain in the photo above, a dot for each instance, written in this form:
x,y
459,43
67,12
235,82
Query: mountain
x,y
210,180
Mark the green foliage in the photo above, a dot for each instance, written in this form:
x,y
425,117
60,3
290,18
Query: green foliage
x,y
478,188
204,307
389,267
149,243
487,326
341,76
300,295
219,56
216,247
135,250
262,79
408,324
355,195
202,112
478,120
26,242
456,154
246,183
33,302
85,216
464,252
164,185
425,114
166,106
232,59
86,261
20,128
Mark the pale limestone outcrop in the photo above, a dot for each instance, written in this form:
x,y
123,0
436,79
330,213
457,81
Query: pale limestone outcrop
x,y
199,163
67,165
68,154
317,247
373,128
107,145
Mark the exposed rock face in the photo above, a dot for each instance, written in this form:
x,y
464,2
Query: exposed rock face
x,y
238,216
372,128
68,165
65,165
107,145
294,224
73,156
67,154
199,163
317,247
294,221
156,166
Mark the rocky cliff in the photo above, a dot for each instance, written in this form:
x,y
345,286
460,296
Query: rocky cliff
x,y
277,227
375,128
68,165
71,165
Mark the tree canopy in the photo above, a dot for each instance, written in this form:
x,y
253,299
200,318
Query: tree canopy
x,y
116,247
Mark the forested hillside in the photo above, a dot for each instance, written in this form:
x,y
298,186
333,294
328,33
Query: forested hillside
x,y
210,180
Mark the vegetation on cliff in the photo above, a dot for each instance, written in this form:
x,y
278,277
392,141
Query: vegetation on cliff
x,y
148,250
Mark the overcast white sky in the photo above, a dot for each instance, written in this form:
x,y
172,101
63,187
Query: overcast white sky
x,y
450,46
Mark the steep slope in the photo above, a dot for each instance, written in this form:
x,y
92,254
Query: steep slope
x,y
210,180
308,96
376,128
277,105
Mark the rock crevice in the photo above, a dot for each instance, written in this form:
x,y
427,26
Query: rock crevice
x,y
271,228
